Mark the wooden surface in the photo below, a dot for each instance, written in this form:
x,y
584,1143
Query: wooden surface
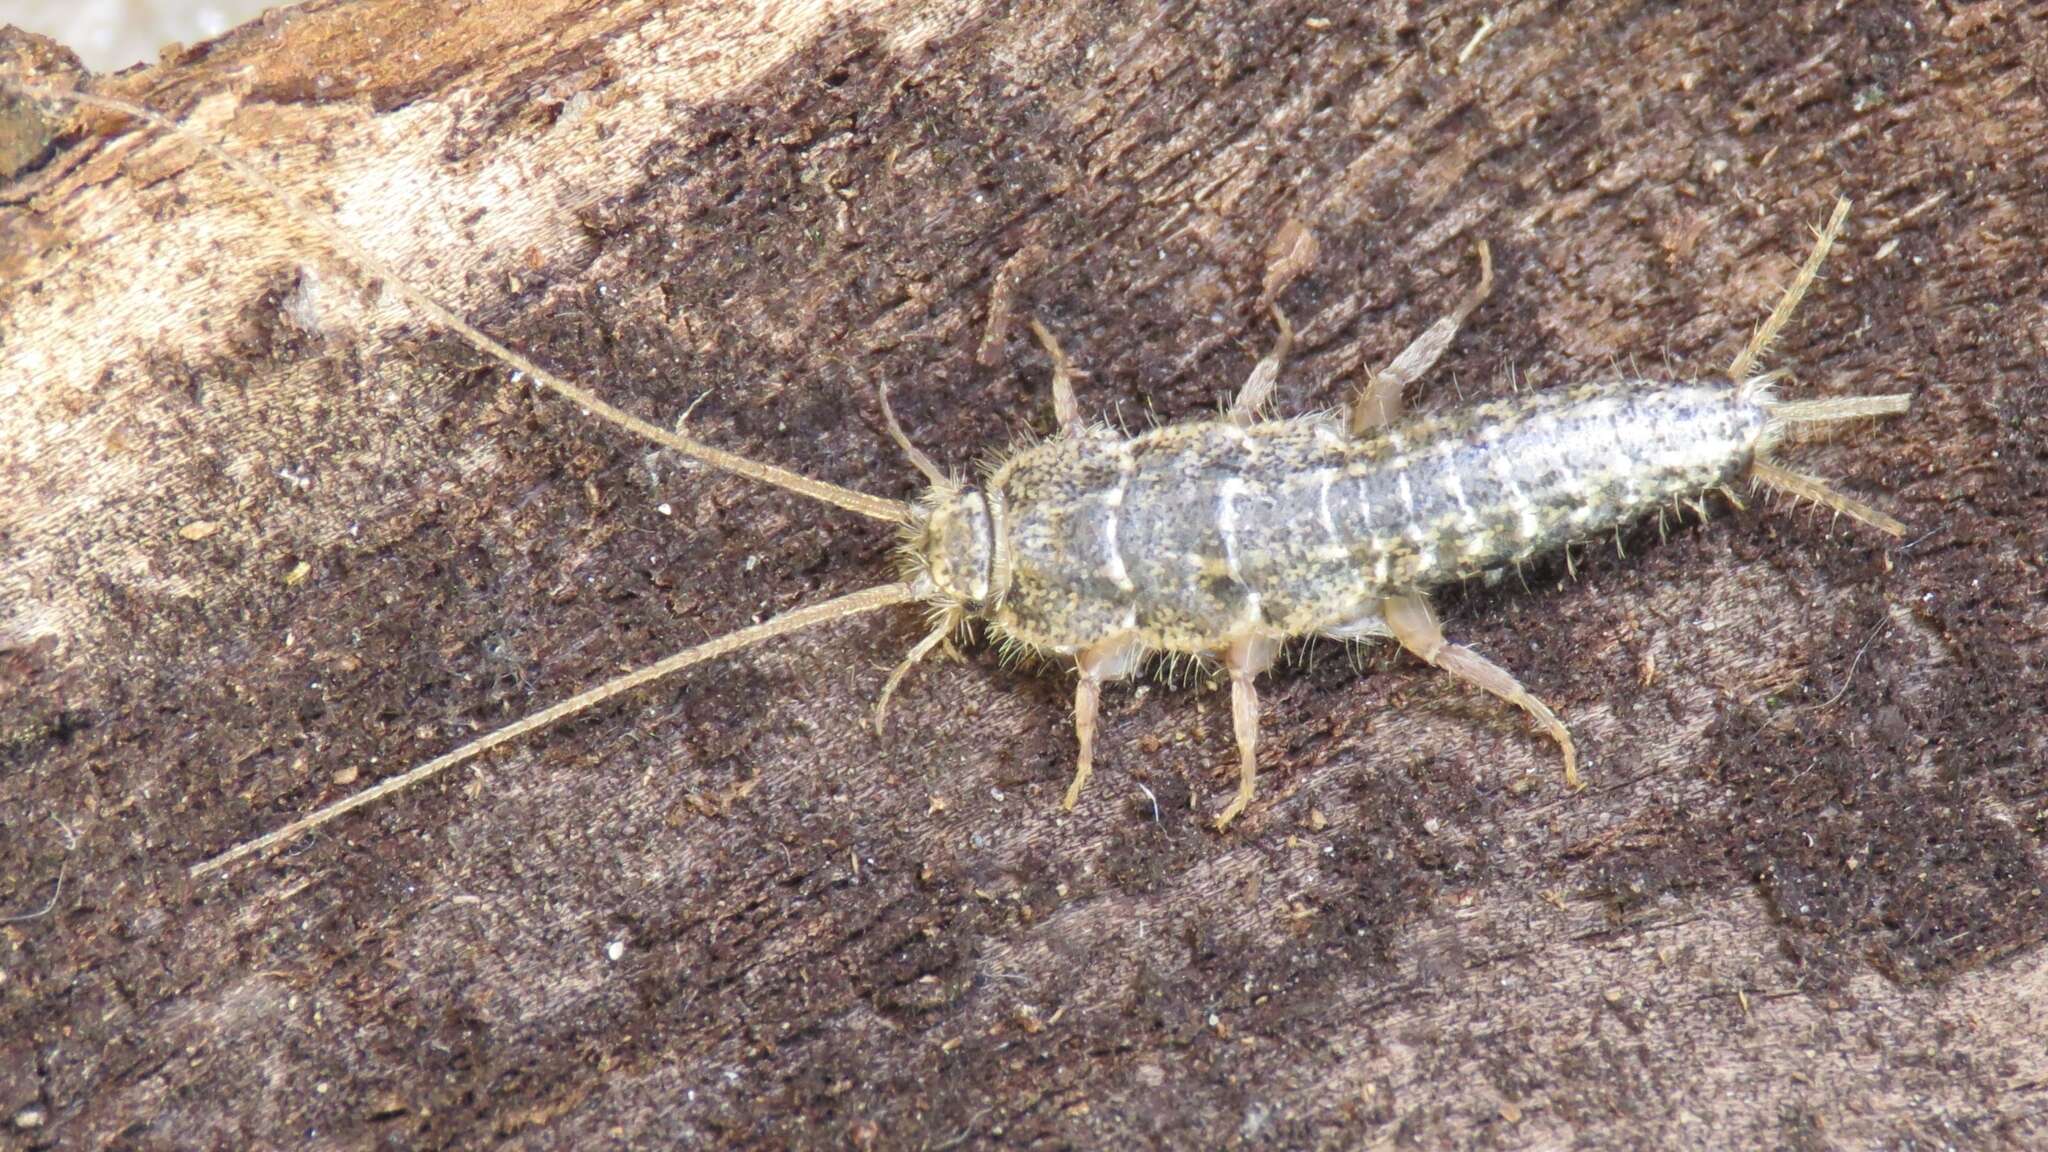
x,y
264,538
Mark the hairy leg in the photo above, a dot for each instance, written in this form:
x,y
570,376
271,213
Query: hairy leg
x,y
1063,406
1112,659
1292,252
1412,623
1258,387
1087,698
917,654
1245,659
1379,403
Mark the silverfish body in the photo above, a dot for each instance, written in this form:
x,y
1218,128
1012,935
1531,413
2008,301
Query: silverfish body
x,y
1194,536
1217,538
1225,538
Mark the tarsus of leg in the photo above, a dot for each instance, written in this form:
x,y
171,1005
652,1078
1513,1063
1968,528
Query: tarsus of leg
x,y
877,507
1746,360
924,647
851,604
1803,487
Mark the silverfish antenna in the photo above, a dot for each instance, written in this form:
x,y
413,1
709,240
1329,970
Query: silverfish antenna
x,y
364,262
796,619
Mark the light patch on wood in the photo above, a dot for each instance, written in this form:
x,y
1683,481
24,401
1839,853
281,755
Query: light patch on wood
x,y
384,178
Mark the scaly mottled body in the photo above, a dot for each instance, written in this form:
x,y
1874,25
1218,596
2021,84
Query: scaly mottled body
x,y
1190,537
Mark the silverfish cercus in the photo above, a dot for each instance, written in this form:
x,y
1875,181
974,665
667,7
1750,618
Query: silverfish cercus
x,y
1222,539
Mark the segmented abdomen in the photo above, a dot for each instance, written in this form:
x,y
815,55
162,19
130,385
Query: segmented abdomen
x,y
1196,534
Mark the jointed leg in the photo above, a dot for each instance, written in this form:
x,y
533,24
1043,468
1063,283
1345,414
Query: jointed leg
x,y
1417,630
1292,252
1244,720
1063,406
1113,659
1258,387
1245,660
1379,403
1087,698
923,649
918,459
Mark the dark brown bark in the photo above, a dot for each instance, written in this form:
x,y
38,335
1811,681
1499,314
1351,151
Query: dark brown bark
x,y
267,539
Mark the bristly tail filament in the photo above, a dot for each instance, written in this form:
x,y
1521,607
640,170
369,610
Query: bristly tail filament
x,y
1800,486
1785,415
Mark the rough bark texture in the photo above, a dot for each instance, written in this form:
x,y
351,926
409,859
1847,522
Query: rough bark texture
x,y
267,538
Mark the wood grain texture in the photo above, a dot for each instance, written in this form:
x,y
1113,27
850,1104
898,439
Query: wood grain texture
x,y
264,539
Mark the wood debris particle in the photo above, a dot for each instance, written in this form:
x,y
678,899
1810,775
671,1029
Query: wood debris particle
x,y
1478,37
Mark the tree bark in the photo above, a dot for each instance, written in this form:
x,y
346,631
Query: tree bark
x,y
269,537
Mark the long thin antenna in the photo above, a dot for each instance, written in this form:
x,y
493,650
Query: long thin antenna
x,y
851,604
877,507
1789,302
